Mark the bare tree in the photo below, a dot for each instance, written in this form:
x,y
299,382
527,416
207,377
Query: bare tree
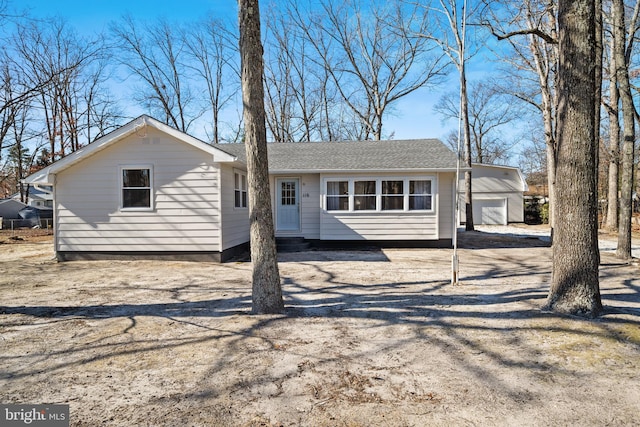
x,y
267,293
279,80
153,53
294,82
575,283
373,57
613,112
529,28
64,75
448,29
489,112
621,60
20,157
214,48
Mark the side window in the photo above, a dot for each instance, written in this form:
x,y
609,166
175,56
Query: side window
x,y
137,188
338,195
420,196
240,190
364,195
393,195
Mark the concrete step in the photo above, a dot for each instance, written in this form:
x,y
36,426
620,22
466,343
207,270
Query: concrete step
x,y
292,244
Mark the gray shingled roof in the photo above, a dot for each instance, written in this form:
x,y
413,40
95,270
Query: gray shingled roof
x,y
392,155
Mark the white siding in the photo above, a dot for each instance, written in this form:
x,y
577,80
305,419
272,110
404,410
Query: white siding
x,y
185,216
379,226
235,221
515,207
496,183
445,203
383,225
489,179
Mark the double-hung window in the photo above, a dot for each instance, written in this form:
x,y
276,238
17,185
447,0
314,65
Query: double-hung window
x,y
364,195
393,195
420,197
137,187
337,195
240,193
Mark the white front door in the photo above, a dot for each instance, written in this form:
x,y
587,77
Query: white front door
x,y
287,204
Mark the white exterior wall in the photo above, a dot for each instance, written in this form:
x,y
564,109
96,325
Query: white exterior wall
x,y
446,214
235,221
310,202
496,183
185,215
391,225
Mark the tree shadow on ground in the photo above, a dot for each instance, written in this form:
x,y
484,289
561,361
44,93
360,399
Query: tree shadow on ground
x,y
455,320
485,240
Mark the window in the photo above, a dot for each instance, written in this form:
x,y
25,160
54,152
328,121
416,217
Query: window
x,y
392,195
240,190
364,195
382,194
420,195
338,195
287,193
136,188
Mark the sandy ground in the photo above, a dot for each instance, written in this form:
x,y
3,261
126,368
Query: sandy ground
x,y
369,338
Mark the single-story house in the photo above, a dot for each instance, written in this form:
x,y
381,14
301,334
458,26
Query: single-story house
x,y
151,191
497,194
9,209
38,197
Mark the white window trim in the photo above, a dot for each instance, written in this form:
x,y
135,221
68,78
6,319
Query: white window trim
x,y
246,180
379,180
349,194
151,188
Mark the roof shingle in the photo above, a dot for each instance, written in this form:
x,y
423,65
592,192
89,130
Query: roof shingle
x,y
392,155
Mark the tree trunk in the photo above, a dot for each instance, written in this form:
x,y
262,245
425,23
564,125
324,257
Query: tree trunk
x,y
614,148
574,284
267,293
623,250
597,101
466,128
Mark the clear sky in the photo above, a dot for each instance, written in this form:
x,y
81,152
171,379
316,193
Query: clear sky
x,y
413,116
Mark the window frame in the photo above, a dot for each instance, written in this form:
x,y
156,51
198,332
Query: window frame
x,y
151,206
241,190
429,194
392,196
376,192
338,197
379,179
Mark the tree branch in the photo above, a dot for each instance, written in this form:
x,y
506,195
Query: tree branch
x,y
527,31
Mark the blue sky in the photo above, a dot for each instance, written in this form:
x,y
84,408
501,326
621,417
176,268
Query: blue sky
x,y
413,116
92,15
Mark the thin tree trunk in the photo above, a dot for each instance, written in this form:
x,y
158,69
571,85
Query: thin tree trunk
x,y
543,67
574,284
623,250
551,180
466,128
267,293
614,150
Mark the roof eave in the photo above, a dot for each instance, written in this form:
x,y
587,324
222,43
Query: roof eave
x,y
46,175
370,171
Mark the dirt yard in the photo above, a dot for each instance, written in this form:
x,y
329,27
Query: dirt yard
x,y
370,338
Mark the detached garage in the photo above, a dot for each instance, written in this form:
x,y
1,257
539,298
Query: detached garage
x,y
498,195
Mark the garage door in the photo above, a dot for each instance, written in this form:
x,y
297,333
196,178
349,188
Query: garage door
x,y
490,211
